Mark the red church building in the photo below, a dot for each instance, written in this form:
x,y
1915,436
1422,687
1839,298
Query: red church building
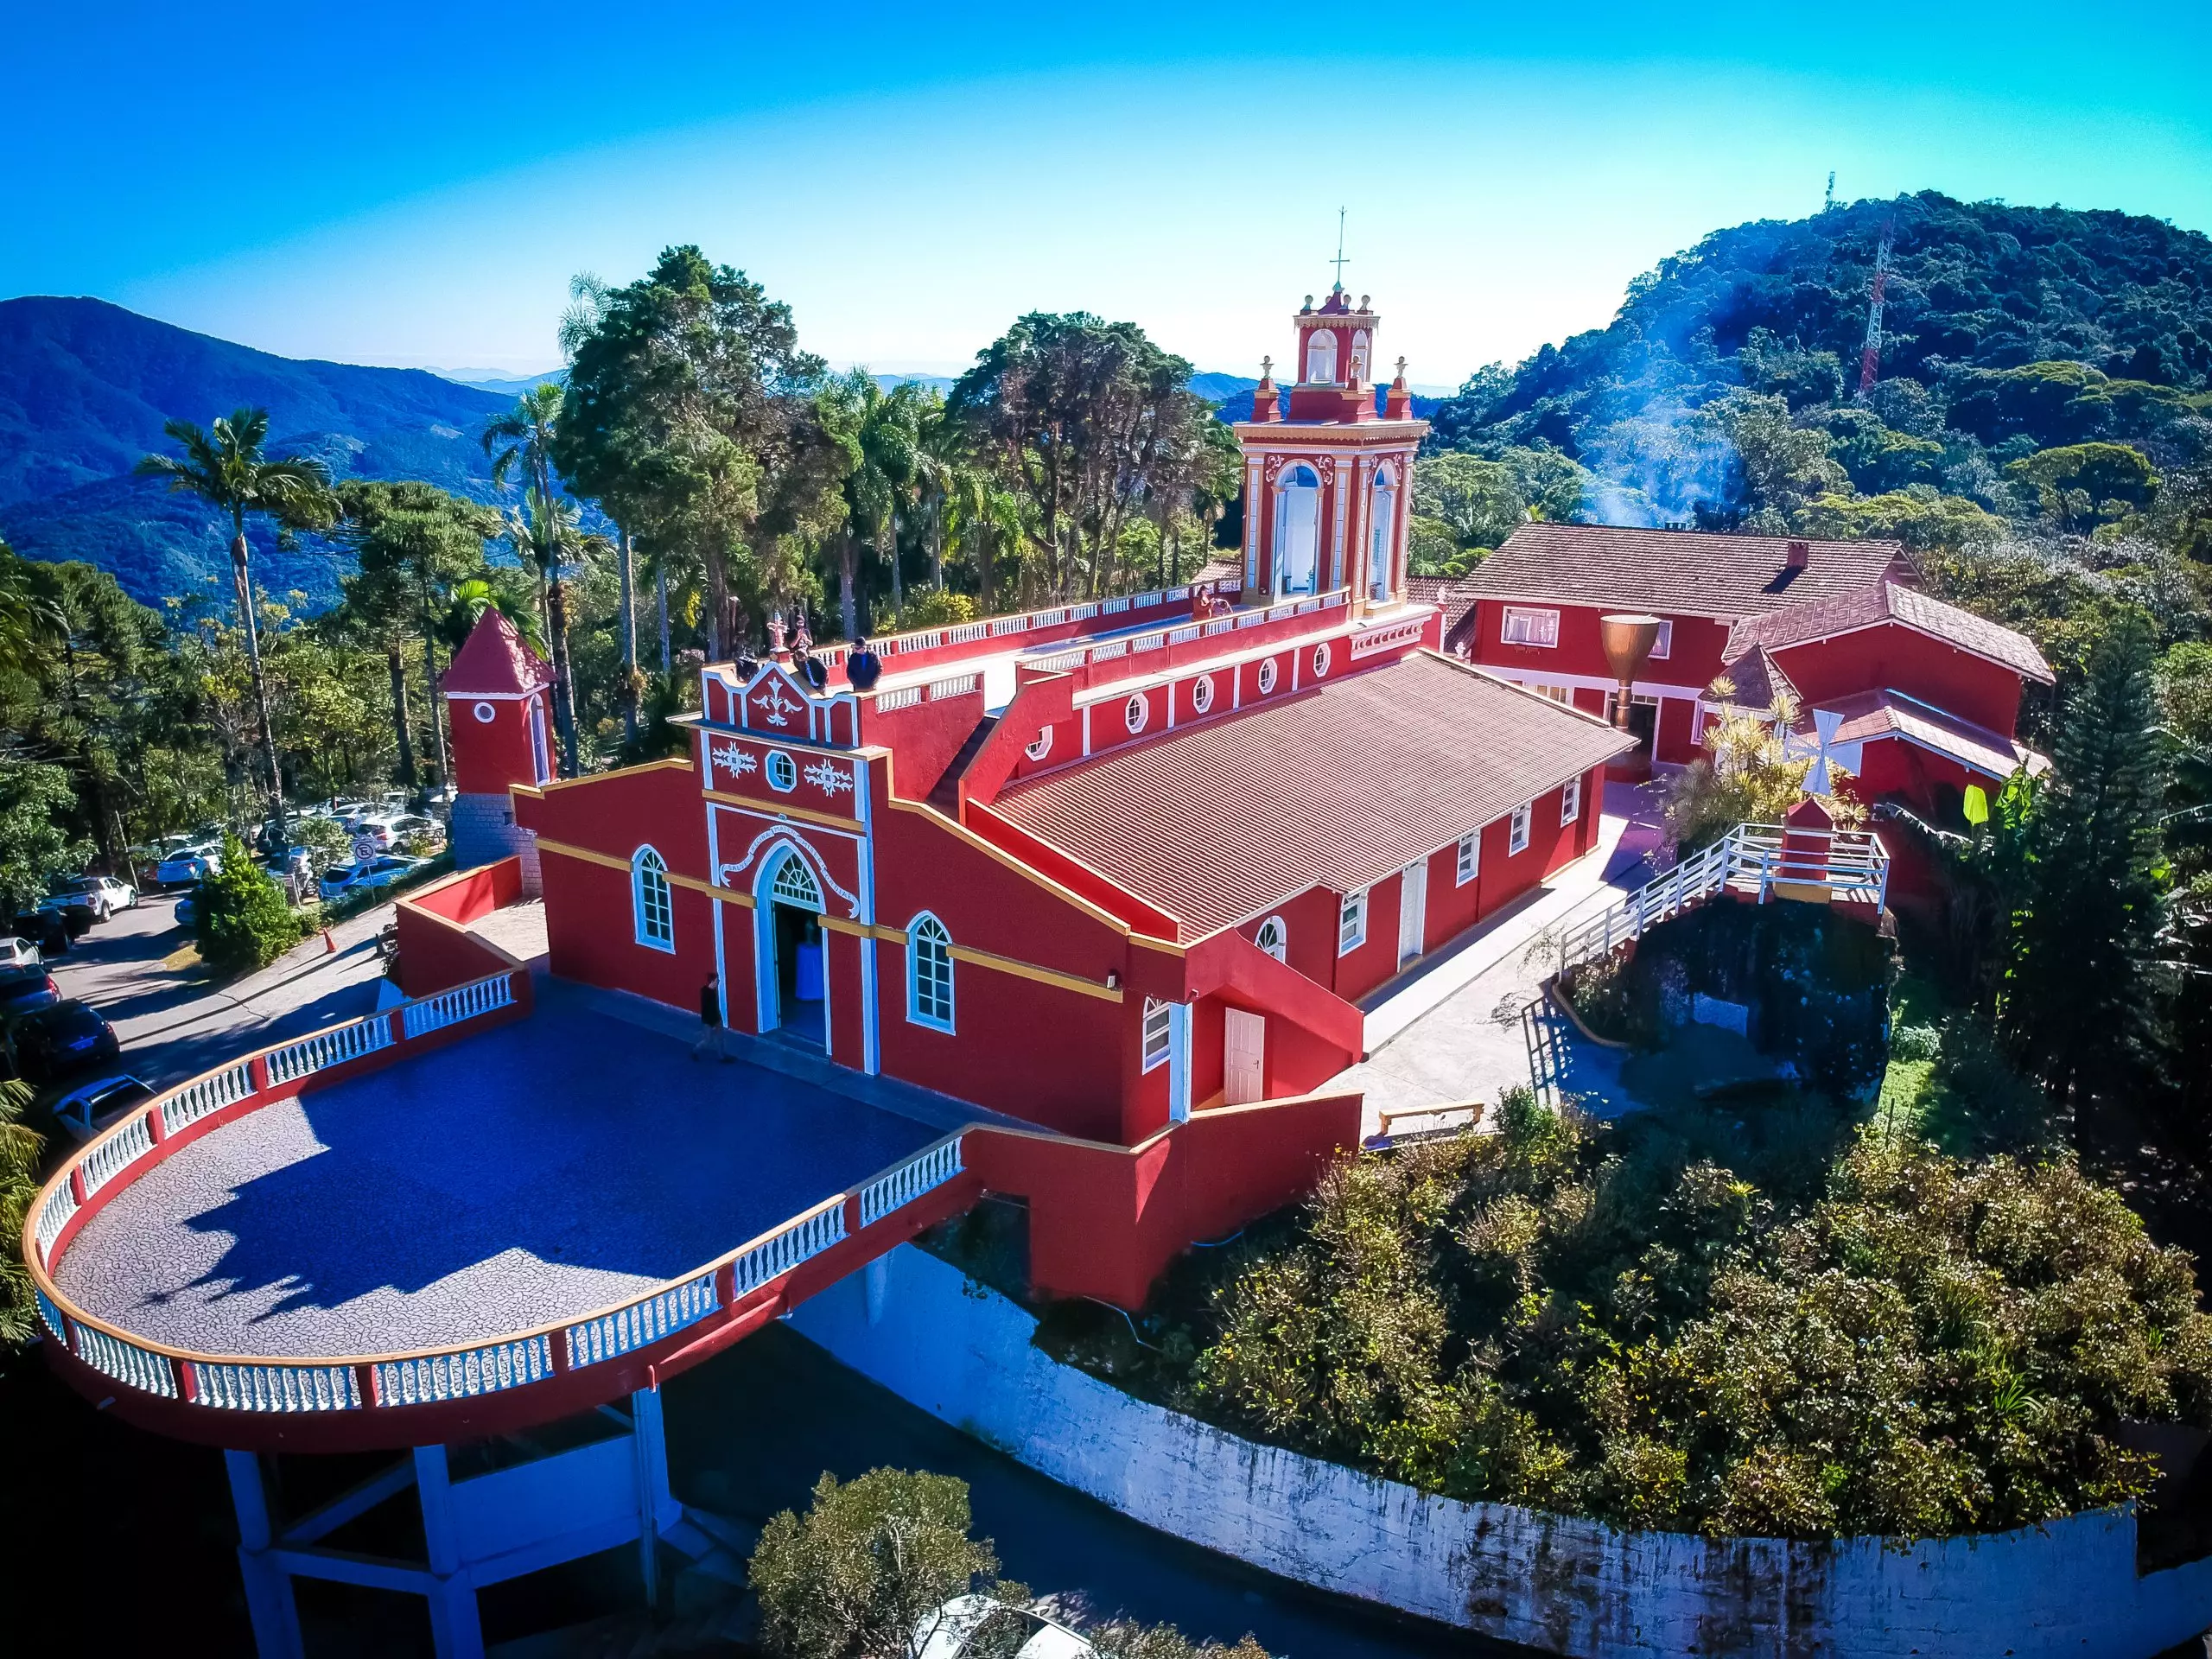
x,y
1097,866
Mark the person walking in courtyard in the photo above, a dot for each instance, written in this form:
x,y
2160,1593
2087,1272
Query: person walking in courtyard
x,y
715,1036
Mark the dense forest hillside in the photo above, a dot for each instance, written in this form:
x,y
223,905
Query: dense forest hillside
x,y
84,387
2038,366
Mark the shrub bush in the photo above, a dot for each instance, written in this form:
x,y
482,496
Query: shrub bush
x,y
243,920
1833,1333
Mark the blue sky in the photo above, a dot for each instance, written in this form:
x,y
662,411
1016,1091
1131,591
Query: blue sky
x,y
415,185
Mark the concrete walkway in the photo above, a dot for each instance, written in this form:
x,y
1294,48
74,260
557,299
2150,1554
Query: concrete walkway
x,y
1450,1031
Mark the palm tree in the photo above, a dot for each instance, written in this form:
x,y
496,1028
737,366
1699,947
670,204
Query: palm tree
x,y
546,537
225,466
880,432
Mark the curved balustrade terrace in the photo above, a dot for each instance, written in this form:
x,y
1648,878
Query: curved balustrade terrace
x,y
431,1391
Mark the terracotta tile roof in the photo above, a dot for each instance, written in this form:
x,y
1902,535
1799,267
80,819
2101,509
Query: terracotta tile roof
x,y
1454,595
1336,787
493,659
1809,619
1675,572
1758,679
1872,715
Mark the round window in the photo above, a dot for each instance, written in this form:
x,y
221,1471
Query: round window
x,y
1267,677
1320,660
1042,747
485,712
783,772
1133,713
1202,693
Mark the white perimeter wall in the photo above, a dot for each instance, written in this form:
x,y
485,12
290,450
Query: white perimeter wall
x,y
1575,1587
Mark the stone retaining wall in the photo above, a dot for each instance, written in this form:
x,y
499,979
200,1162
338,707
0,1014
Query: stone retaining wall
x,y
1570,1585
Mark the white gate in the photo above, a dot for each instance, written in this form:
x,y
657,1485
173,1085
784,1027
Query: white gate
x,y
1413,910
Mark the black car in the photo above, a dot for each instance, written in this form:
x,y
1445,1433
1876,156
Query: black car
x,y
51,933
50,1044
22,992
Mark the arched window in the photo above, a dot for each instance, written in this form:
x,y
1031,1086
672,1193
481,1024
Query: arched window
x,y
1298,530
795,884
929,973
651,912
1355,370
1273,938
1321,356
1383,530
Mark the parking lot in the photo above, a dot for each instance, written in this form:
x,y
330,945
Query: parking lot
x,y
173,1022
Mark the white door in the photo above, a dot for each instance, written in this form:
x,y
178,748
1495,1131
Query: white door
x,y
1244,1058
1413,909
1301,539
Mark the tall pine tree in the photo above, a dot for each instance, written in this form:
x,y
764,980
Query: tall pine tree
x,y
2079,1009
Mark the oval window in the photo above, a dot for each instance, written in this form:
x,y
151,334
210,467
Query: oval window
x,y
1133,713
1202,693
1267,677
1042,747
485,712
1320,660
783,772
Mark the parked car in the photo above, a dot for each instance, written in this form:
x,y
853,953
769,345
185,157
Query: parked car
x,y
192,864
100,895
372,829
86,1111
410,825
339,880
187,911
17,956
46,931
25,990
297,860
54,1042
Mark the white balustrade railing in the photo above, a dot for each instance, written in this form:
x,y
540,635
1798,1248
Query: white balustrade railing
x,y
1112,607
60,1206
109,1155
479,996
1751,859
956,685
1147,642
904,697
929,1168
1219,625
1142,601
1059,664
267,1385
462,1374
643,1322
784,1249
204,1095
1183,636
967,631
50,1316
1082,613
1001,626
333,1047
126,1362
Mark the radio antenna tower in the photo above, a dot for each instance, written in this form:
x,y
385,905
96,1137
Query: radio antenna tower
x,y
1870,360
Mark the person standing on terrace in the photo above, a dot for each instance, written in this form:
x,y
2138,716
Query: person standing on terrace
x,y
715,1036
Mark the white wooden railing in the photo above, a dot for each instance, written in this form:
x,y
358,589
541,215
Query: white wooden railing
x,y
431,1377
1752,859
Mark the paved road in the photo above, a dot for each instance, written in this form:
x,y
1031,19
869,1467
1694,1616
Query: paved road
x,y
173,1022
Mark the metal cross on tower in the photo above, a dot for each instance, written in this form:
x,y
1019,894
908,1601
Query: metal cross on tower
x,y
1340,262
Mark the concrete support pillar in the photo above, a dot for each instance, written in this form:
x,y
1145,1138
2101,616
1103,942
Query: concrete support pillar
x,y
875,1287
269,1600
650,1447
455,1631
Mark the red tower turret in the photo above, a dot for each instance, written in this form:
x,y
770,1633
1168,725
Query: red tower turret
x,y
498,692
1327,488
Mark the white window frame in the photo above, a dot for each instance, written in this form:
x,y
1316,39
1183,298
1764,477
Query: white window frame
x,y
1136,712
780,766
1281,949
1471,858
1570,802
1202,693
923,932
1159,1039
1541,627
650,890
1040,746
1321,660
1516,840
1267,677
1663,646
1352,921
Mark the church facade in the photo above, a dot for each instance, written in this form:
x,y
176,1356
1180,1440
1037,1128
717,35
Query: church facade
x,y
1098,867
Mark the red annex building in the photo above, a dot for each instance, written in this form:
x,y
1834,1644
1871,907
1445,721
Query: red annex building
x,y
1914,698
1101,865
